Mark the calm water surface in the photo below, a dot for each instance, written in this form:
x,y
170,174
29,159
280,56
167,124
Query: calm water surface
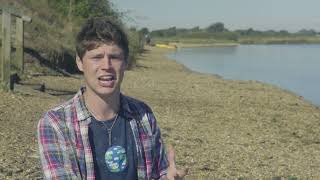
x,y
292,67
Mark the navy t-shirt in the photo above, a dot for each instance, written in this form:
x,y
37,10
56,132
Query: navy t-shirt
x,y
122,135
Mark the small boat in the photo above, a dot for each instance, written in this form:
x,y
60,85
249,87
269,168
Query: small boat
x,y
166,46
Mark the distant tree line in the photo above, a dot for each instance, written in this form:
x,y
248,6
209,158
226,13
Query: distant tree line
x,y
219,31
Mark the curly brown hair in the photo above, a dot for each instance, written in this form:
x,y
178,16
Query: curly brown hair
x,y
101,30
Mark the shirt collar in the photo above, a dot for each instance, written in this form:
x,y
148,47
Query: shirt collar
x,y
83,112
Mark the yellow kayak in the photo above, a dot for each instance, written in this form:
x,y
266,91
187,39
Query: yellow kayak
x,y
166,46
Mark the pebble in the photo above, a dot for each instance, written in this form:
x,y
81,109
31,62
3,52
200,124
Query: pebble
x,y
2,176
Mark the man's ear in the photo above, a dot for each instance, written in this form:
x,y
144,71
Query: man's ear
x,y
79,63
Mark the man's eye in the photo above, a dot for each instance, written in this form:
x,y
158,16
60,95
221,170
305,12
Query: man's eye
x,y
96,57
116,57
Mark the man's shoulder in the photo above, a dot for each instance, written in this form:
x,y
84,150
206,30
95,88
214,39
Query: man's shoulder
x,y
62,107
58,112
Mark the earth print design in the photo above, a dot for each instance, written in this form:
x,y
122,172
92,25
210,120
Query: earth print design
x,y
116,159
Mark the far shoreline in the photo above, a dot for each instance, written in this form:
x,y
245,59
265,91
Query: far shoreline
x,y
193,42
200,45
195,45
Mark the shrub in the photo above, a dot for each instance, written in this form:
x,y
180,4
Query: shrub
x,y
135,47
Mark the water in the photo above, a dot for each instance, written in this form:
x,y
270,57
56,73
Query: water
x,y
292,67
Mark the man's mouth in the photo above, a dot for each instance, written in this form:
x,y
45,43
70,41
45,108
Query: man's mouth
x,y
107,81
106,78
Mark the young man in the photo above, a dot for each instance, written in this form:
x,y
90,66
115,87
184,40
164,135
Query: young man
x,y
101,133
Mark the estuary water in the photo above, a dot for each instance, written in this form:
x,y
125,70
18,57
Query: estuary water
x,y
292,67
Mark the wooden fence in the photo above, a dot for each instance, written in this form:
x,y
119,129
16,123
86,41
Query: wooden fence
x,y
8,15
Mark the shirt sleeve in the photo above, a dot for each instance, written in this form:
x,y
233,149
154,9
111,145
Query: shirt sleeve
x,y
160,160
51,152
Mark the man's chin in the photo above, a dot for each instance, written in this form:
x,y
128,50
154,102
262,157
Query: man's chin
x,y
103,92
107,92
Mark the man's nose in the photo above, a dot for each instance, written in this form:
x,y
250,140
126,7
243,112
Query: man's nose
x,y
106,63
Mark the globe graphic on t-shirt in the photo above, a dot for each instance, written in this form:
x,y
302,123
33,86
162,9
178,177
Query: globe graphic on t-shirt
x,y
116,159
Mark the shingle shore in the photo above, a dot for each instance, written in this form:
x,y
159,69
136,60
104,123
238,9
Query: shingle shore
x,y
221,129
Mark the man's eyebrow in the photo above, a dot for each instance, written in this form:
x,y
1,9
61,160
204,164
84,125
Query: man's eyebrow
x,y
96,55
116,52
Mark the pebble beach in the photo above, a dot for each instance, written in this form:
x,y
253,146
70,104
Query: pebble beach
x,y
220,129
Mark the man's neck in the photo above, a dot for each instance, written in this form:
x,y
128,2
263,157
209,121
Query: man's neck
x,y
102,108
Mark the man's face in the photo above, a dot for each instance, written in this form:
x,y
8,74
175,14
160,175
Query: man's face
x,y
103,69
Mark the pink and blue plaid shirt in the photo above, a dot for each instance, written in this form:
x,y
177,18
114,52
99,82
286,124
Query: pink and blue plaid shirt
x,y
64,146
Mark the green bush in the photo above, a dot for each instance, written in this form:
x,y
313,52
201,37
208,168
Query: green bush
x,y
135,47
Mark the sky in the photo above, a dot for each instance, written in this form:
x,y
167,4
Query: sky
x,y
292,15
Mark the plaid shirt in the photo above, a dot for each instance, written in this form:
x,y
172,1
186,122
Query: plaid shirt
x,y
65,151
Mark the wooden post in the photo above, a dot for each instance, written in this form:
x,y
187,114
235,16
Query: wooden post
x,y
19,45
5,56
6,49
